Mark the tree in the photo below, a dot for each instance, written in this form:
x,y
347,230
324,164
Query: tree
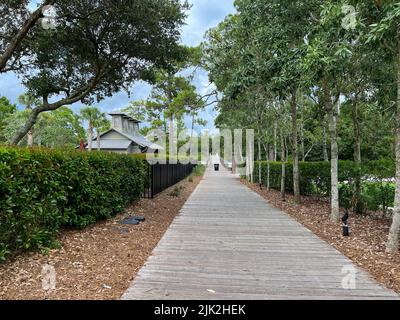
x,y
266,39
16,24
96,120
29,102
98,49
327,57
101,125
59,128
56,129
6,110
386,32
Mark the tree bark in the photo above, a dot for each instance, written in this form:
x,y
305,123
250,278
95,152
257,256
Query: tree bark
x,y
295,154
332,116
267,155
172,143
392,245
357,157
324,143
251,161
98,140
30,138
275,139
259,162
21,35
302,146
90,142
191,136
283,174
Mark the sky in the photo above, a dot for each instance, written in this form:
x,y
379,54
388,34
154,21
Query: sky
x,y
203,15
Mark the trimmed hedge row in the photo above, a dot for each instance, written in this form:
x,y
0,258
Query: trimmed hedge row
x,y
315,177
315,180
44,190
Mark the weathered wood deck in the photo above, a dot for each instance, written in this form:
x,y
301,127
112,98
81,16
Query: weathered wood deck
x,y
229,243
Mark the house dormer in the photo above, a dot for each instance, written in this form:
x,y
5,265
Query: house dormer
x,y
124,123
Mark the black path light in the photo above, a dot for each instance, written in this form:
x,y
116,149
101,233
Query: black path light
x,y
346,228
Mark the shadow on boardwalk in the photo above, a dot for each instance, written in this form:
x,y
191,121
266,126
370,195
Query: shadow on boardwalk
x,y
228,243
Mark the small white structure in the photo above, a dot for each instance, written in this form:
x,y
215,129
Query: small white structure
x,y
124,137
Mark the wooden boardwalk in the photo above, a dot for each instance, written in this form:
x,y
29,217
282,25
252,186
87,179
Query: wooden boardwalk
x,y
229,243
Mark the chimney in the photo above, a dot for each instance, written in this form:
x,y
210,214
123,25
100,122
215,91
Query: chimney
x,y
117,120
134,127
122,122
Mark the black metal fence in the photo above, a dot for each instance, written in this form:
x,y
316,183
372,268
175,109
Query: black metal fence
x,y
163,176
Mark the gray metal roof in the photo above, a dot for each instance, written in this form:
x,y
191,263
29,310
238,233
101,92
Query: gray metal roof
x,y
138,139
113,144
142,141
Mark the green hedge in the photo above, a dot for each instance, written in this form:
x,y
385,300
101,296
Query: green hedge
x,y
42,191
315,180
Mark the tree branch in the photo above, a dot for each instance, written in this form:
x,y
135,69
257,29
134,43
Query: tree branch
x,y
46,106
20,36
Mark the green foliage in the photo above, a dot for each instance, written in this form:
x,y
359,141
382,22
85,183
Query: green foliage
x,y
55,129
315,180
199,170
176,192
6,109
42,191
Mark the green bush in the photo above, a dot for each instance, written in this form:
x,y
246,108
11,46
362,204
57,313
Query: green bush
x,y
199,170
42,191
315,180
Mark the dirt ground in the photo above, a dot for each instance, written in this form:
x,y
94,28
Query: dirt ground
x,y
99,262
368,234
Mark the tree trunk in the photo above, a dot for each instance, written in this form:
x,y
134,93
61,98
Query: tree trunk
x,y
90,142
191,136
259,162
332,114
393,239
295,154
271,153
251,161
324,143
275,140
172,142
357,205
303,151
267,183
286,149
98,140
283,174
30,138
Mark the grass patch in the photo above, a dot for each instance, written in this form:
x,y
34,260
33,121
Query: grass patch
x,y
176,192
199,171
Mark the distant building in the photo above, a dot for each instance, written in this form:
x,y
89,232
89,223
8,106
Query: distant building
x,y
124,137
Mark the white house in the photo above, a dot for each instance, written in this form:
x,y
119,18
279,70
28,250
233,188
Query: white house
x,y
124,137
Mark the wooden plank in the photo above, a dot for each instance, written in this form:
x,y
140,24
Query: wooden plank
x,y
229,243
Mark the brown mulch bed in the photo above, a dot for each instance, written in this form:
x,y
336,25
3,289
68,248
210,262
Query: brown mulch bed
x,y
368,234
99,262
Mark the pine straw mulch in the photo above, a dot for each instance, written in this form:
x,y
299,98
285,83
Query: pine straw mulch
x,y
368,234
99,262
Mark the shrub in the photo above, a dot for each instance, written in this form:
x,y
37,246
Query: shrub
x,y
199,170
42,191
176,192
315,180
